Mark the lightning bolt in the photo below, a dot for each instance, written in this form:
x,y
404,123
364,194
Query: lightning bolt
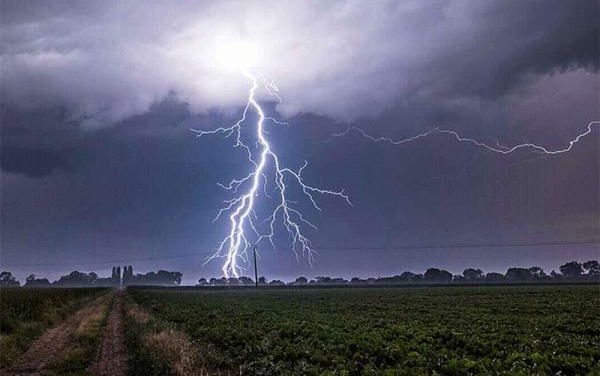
x,y
244,223
244,231
455,135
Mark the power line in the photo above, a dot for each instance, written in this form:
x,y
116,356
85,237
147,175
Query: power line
x,y
204,253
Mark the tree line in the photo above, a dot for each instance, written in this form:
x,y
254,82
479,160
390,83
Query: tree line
x,y
118,278
570,271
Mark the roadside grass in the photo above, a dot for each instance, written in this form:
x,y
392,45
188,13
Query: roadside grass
x,y
84,345
157,348
26,313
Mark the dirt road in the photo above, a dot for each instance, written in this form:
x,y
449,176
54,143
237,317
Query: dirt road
x,y
51,346
113,353
57,343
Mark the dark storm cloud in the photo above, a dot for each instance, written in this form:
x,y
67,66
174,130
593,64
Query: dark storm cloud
x,y
110,60
505,41
31,162
440,58
98,163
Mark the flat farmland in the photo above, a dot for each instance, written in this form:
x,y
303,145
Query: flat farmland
x,y
487,330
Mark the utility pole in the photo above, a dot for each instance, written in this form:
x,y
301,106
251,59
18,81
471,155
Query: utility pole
x,y
255,268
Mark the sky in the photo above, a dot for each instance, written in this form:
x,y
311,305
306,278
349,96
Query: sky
x,y
99,166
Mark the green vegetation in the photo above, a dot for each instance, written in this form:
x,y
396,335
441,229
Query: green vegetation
x,y
27,313
510,330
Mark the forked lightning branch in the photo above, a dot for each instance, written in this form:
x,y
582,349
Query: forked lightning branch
x,y
265,170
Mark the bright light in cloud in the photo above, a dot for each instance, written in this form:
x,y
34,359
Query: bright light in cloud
x,y
233,55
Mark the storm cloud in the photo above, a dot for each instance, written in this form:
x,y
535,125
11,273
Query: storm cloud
x,y
110,60
98,163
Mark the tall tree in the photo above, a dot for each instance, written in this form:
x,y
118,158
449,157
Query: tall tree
x,y
518,274
118,275
8,280
537,272
572,269
471,274
438,275
592,267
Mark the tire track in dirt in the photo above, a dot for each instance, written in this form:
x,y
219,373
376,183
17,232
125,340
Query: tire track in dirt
x,y
50,346
113,352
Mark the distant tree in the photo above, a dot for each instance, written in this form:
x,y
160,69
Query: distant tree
x,y
246,281
7,280
276,282
126,279
218,281
301,281
104,282
407,277
32,281
330,281
323,280
76,279
556,276
393,280
537,273
119,281
458,278
160,278
437,275
592,267
114,277
339,281
130,275
262,281
202,282
571,270
170,278
494,277
357,281
471,274
232,281
518,275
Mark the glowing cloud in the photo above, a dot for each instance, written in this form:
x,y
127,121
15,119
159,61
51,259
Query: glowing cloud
x,y
234,55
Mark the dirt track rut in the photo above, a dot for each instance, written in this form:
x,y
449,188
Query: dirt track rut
x,y
113,352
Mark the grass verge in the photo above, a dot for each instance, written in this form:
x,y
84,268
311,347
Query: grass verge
x,y
157,348
84,345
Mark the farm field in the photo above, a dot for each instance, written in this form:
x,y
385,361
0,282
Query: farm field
x,y
488,330
25,314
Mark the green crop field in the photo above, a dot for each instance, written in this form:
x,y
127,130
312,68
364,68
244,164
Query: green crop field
x,y
510,330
